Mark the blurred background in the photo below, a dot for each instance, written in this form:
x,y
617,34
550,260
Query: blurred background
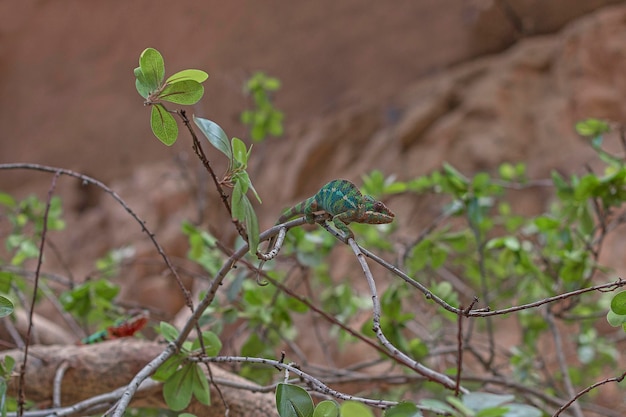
x,y
66,85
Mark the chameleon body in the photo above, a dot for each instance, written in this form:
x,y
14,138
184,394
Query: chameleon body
x,y
121,328
345,203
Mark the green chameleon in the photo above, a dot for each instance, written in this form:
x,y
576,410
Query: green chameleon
x,y
345,203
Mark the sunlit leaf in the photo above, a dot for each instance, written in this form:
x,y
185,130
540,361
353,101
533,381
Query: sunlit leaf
x,y
592,127
188,74
152,67
183,92
355,409
326,408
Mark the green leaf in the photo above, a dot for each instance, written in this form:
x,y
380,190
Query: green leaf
x,y
6,306
200,386
592,127
215,135
169,332
479,400
618,303
178,389
252,226
152,68
182,92
326,408
167,368
163,125
355,409
293,401
404,409
236,202
240,152
212,343
522,410
7,200
615,320
188,74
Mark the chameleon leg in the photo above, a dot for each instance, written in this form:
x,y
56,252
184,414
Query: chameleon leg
x,y
309,211
341,223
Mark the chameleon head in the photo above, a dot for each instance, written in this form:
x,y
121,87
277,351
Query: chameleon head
x,y
377,212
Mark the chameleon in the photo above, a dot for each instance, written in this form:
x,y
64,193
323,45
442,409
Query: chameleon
x,y
345,203
121,328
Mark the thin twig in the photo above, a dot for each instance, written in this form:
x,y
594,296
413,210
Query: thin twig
x,y
560,355
586,390
430,374
44,230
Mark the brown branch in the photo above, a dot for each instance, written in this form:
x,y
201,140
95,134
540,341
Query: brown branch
x,y
94,370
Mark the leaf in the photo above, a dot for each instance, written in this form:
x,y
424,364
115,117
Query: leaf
x,y
236,201
479,400
6,306
252,226
615,320
355,409
215,135
178,389
522,410
293,401
240,153
188,74
168,368
404,409
152,68
592,127
212,343
7,200
200,386
326,408
163,125
182,92
618,303
169,332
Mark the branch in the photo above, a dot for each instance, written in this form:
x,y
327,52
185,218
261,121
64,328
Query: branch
x,y
94,374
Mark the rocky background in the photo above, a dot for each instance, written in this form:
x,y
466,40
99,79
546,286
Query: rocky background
x,y
397,86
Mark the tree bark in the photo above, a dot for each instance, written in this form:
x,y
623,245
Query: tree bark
x,y
103,367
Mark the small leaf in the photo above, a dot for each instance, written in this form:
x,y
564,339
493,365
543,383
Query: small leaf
x,y
188,74
239,212
215,135
240,153
168,368
200,386
592,127
618,303
169,332
326,408
6,306
163,125
178,389
404,409
252,226
152,67
615,320
7,200
183,92
211,341
293,401
355,409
